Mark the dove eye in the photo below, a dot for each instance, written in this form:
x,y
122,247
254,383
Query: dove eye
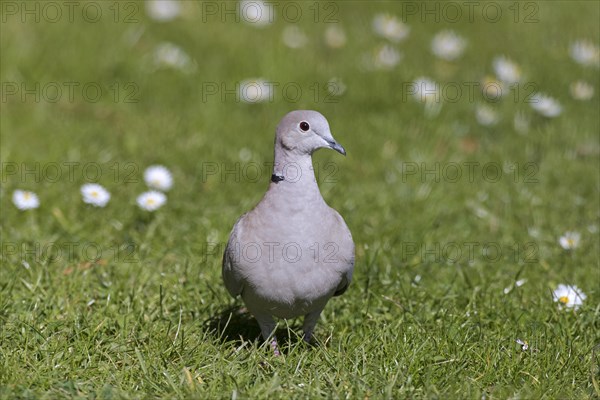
x,y
304,126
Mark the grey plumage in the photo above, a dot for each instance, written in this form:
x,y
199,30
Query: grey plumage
x,y
291,253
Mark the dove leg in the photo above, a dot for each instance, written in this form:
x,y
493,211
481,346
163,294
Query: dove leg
x,y
267,328
310,320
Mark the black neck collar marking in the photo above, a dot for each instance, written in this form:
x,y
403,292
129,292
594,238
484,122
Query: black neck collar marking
x,y
277,178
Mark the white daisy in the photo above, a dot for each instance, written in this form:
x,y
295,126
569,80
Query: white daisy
x,y
386,57
151,201
335,37
506,70
163,10
255,90
448,46
25,200
521,122
486,115
546,105
257,12
570,240
172,56
336,87
517,284
491,88
523,343
158,177
293,37
390,27
95,194
585,53
416,280
581,90
569,296
245,154
426,90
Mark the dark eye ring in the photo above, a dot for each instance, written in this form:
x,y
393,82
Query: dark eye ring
x,y
304,126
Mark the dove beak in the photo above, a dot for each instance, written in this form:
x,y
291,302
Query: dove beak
x,y
336,146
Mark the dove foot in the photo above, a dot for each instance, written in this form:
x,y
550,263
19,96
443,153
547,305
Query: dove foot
x,y
275,347
310,321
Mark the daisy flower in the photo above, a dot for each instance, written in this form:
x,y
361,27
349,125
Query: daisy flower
x,y
390,27
448,46
506,70
486,115
335,37
569,296
255,90
521,122
169,55
581,90
163,10
426,90
158,177
585,53
151,201
95,194
523,343
491,88
245,154
256,12
386,57
293,37
569,240
517,284
546,105
336,87
25,200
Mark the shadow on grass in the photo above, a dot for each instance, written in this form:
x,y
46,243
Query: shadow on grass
x,y
236,324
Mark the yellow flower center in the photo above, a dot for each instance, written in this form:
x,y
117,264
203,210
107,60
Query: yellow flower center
x,y
94,194
150,202
26,195
563,299
571,242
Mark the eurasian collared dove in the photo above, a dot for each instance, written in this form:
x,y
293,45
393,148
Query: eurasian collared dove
x,y
291,253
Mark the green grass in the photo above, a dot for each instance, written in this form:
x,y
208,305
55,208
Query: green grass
x,y
120,303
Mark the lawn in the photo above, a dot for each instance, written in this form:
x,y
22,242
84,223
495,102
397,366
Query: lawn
x,y
457,200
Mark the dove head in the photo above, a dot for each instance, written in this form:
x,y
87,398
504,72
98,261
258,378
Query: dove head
x,y
304,131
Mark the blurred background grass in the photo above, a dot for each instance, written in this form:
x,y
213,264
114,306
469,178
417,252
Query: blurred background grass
x,y
52,334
